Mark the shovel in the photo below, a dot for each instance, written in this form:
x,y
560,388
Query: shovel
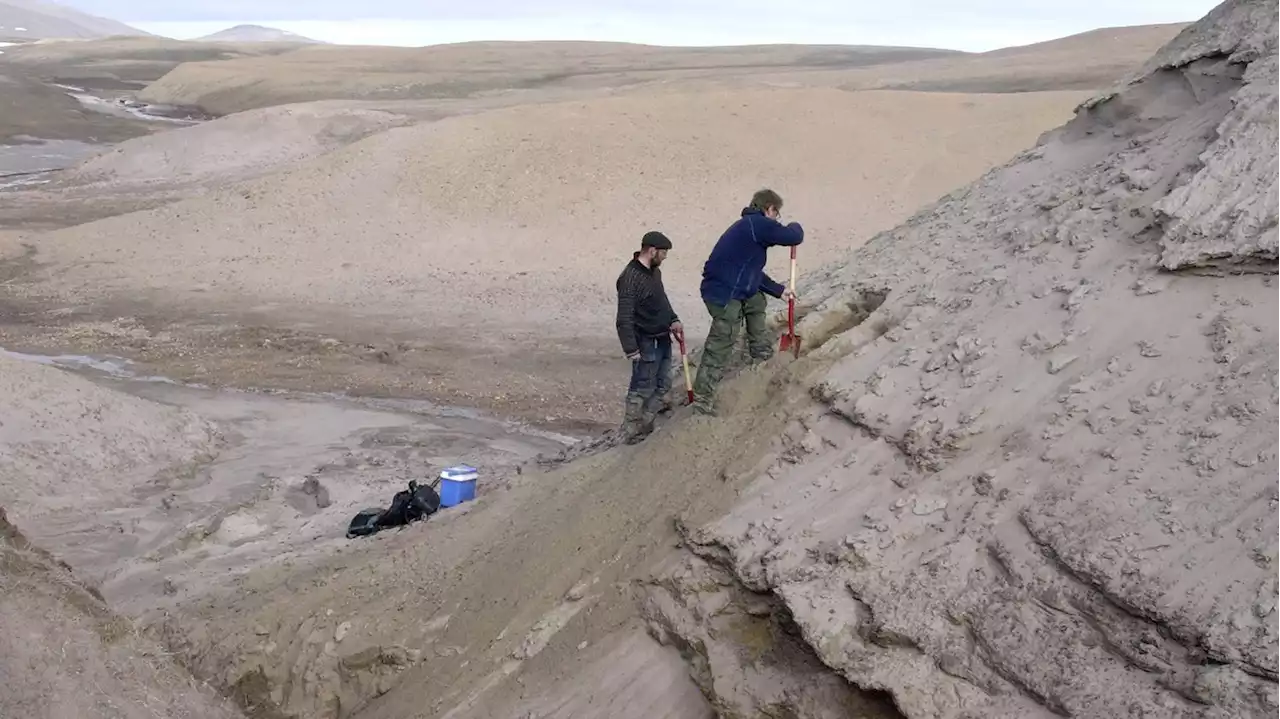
x,y
684,358
791,341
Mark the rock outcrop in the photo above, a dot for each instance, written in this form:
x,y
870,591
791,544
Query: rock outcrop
x,y
1039,479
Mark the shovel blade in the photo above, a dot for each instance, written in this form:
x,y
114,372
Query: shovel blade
x,y
790,342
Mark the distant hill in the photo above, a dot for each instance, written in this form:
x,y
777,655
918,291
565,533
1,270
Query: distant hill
x,y
38,19
257,33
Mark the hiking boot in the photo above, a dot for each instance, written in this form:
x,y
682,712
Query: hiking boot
x,y
704,409
635,433
637,425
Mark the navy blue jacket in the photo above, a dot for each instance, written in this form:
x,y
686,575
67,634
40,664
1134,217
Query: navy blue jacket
x,y
735,269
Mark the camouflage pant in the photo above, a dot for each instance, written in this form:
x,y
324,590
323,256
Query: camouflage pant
x,y
718,349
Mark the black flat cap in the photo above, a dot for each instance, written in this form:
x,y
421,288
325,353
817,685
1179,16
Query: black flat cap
x,y
655,239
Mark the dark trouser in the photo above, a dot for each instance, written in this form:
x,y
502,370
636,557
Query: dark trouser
x,y
720,341
650,380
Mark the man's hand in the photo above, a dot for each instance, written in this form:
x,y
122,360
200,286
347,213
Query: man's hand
x,y
677,331
634,356
788,295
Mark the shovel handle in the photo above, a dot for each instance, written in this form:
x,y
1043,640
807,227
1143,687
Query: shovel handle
x,y
791,307
684,359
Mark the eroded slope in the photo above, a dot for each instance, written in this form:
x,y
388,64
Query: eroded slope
x,y
1040,480
63,655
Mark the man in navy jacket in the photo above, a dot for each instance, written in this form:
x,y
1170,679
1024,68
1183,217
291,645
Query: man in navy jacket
x,y
734,285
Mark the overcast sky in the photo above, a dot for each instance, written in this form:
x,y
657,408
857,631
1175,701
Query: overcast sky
x,y
973,25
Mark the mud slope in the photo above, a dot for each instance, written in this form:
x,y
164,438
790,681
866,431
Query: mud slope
x,y
65,442
59,431
1040,480
486,606
63,654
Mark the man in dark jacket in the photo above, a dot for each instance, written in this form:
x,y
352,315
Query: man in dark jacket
x,y
734,285
646,324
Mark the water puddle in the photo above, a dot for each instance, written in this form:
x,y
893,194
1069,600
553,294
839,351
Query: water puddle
x,y
34,160
117,367
19,180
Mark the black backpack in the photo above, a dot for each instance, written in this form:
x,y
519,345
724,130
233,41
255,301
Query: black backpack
x,y
416,504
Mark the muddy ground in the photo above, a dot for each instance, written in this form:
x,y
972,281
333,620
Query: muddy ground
x,y
571,388
287,474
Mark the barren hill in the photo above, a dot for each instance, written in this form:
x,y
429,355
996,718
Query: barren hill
x,y
256,33
525,214
472,68
130,61
33,104
22,20
1086,61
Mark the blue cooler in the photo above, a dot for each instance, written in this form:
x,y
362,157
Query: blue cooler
x,y
457,485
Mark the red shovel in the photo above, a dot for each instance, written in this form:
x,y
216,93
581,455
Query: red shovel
x,y
684,358
790,340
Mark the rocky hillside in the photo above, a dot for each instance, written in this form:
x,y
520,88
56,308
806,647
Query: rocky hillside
x,y
36,19
1039,479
